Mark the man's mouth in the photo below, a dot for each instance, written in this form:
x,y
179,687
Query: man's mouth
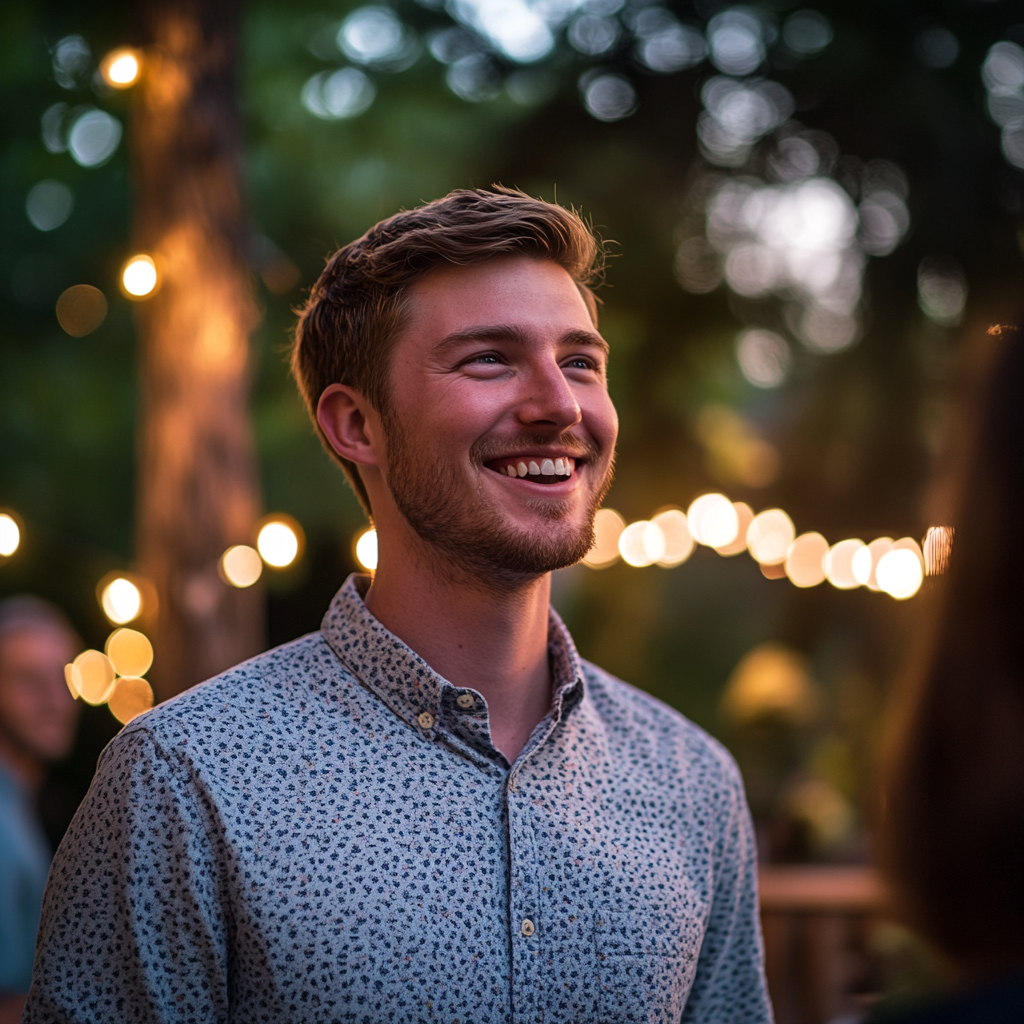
x,y
538,470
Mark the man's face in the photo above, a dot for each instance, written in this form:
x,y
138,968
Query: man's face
x,y
500,371
37,713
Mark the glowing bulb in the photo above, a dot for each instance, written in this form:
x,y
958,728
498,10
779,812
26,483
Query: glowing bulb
x,y
900,573
865,562
641,543
770,536
139,276
120,68
366,549
744,517
608,527
121,601
938,544
713,520
130,697
241,566
10,535
278,543
805,562
839,564
93,676
69,678
130,652
679,543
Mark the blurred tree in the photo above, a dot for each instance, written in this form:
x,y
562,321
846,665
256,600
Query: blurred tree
x,y
197,480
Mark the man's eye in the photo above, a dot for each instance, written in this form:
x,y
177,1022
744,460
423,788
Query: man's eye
x,y
487,358
581,363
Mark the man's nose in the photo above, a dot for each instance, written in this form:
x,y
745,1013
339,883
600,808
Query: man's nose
x,y
548,399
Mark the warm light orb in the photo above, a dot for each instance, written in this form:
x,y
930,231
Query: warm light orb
x,y
93,676
839,564
679,542
900,573
131,696
120,68
608,527
744,516
10,535
366,549
938,545
713,520
130,652
241,566
641,543
770,536
805,562
866,560
278,544
121,600
139,276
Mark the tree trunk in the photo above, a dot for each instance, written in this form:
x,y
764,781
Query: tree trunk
x,y
198,490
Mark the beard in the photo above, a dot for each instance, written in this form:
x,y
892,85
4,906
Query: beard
x,y
471,531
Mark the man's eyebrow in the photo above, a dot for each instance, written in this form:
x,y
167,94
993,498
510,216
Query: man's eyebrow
x,y
517,336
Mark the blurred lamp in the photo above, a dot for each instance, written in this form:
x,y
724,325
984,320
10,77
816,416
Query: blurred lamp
x,y
81,309
121,600
130,697
608,526
641,543
10,535
366,549
805,562
279,540
938,545
130,652
679,543
900,573
770,536
744,517
713,520
139,277
241,566
120,68
839,564
93,676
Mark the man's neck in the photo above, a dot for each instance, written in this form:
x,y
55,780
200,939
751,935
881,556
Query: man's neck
x,y
495,641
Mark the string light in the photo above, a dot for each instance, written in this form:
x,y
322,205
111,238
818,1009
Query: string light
x,y
121,599
641,543
608,526
805,562
839,564
713,520
10,535
366,549
93,675
139,277
744,517
279,540
679,543
241,565
131,696
130,652
769,537
900,572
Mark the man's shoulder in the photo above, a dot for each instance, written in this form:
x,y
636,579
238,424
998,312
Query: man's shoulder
x,y
633,716
252,692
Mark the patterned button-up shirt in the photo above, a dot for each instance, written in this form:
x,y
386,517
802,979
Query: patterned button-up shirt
x,y
327,833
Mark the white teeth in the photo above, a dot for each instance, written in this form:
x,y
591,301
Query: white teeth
x,y
511,470
569,466
559,467
534,469
522,469
547,468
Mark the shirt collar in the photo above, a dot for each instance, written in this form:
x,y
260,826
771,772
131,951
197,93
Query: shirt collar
x,y
406,683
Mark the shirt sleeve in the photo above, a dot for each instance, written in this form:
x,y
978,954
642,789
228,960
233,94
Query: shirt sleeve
x,y
730,985
134,926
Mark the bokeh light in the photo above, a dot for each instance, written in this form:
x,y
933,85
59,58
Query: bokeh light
x,y
81,309
279,540
49,204
608,525
770,536
608,97
771,681
937,549
129,698
337,95
713,520
69,678
93,676
139,276
764,358
679,543
130,652
900,573
805,562
865,561
641,543
744,516
121,600
93,138
839,564
942,290
366,549
120,68
10,535
241,566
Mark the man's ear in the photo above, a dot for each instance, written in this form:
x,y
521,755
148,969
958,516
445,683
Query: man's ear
x,y
350,424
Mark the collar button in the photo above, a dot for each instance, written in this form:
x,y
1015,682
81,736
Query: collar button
x,y
426,720
465,700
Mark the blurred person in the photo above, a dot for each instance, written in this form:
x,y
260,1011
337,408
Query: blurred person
x,y
37,727
952,824
431,809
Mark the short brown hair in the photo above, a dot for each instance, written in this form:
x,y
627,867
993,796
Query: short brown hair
x,y
356,308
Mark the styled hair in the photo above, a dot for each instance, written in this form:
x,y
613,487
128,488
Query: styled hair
x,y
952,815
357,306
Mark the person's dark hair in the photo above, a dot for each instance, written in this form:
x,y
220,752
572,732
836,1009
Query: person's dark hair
x,y
952,815
356,307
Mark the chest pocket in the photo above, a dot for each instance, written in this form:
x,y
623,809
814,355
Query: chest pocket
x,y
645,965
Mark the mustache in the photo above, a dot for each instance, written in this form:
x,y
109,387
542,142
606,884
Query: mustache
x,y
561,443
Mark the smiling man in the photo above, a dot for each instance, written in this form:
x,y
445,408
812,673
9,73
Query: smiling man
x,y
432,809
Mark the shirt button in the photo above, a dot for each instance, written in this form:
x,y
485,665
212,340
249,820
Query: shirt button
x,y
465,700
527,927
426,720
